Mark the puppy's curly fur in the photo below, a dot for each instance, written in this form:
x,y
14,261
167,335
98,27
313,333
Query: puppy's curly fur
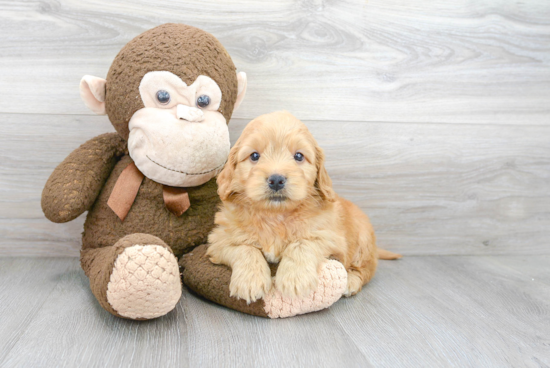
x,y
298,225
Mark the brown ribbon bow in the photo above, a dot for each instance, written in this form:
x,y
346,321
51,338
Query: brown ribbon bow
x,y
127,186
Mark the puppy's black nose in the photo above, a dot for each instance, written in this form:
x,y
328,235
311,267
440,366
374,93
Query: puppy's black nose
x,y
276,182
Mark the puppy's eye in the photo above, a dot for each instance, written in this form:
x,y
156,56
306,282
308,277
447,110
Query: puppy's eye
x,y
203,101
298,156
163,97
255,156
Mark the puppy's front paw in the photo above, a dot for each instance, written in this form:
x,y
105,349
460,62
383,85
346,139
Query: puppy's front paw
x,y
293,280
250,283
354,285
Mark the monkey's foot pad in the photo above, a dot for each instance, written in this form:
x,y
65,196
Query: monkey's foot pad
x,y
332,284
212,282
145,282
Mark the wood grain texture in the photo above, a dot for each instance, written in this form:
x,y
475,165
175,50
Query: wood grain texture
x,y
428,188
419,311
452,311
25,285
484,61
71,329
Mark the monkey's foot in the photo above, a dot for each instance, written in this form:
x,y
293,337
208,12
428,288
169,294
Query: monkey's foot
x,y
137,278
145,282
332,284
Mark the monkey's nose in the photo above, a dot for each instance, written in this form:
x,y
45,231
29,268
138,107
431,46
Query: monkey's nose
x,y
189,113
276,182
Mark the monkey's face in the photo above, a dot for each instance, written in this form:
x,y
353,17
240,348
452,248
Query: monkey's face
x,y
179,138
170,92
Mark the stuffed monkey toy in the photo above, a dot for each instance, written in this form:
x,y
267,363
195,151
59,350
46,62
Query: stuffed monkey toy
x,y
150,188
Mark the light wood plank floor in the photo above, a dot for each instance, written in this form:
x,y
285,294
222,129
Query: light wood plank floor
x,y
461,311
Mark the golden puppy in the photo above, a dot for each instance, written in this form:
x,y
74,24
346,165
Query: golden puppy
x,y
278,205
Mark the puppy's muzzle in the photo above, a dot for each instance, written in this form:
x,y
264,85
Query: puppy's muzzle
x,y
276,182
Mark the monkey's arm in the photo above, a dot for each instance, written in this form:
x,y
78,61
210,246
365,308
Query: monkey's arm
x,y
75,184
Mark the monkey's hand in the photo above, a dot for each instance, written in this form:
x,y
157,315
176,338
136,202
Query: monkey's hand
x,y
75,184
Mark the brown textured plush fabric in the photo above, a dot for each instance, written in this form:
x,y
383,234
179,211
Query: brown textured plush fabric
x,y
89,174
177,48
150,215
86,178
98,264
212,282
71,189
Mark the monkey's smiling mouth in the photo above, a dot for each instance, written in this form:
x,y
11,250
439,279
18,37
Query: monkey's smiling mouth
x,y
183,172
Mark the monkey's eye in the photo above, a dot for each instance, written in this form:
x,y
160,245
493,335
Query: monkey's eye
x,y
255,156
298,156
203,101
163,97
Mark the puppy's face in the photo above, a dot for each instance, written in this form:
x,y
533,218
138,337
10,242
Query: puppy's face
x,y
275,164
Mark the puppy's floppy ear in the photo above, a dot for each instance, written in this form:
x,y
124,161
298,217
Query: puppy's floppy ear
x,y
225,178
323,183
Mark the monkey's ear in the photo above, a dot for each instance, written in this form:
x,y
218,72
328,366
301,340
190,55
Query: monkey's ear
x,y
92,91
241,90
